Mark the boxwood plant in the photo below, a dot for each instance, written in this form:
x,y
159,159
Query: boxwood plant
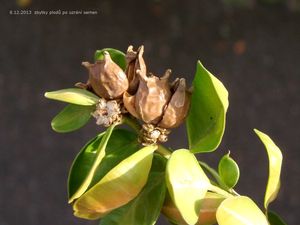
x,y
129,176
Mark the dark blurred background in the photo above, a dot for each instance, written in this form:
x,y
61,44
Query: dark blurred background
x,y
252,46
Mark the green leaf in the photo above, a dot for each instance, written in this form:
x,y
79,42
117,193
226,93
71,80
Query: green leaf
x,y
117,56
240,210
71,118
145,208
229,171
83,164
275,219
275,163
74,96
99,155
121,144
187,183
206,119
207,213
119,186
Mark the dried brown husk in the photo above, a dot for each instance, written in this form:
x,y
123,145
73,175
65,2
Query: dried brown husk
x,y
106,78
178,107
152,97
135,61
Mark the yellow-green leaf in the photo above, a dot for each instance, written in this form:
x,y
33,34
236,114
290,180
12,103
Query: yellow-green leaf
x,y
275,163
240,210
206,120
97,160
187,183
145,208
117,187
73,95
122,143
207,213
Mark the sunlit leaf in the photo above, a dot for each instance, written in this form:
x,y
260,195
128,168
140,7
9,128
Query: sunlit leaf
x,y
275,219
116,55
240,210
145,208
187,183
275,162
121,144
83,164
71,118
74,96
229,171
206,120
119,186
99,155
207,213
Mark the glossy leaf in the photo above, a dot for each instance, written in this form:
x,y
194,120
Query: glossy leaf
x,y
119,147
229,171
83,164
206,119
119,186
71,118
117,56
121,144
145,208
207,213
99,155
275,219
74,96
187,183
275,163
240,210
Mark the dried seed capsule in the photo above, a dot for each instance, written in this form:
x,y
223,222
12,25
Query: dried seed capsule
x,y
150,99
129,103
152,96
177,108
135,62
106,78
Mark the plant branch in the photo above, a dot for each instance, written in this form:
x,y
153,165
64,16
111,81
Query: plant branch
x,y
164,151
132,122
216,176
214,173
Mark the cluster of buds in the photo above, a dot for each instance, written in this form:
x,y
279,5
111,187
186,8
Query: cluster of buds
x,y
107,112
150,134
159,104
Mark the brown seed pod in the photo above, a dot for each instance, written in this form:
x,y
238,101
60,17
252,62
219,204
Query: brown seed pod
x,y
152,96
106,78
177,108
134,62
129,103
